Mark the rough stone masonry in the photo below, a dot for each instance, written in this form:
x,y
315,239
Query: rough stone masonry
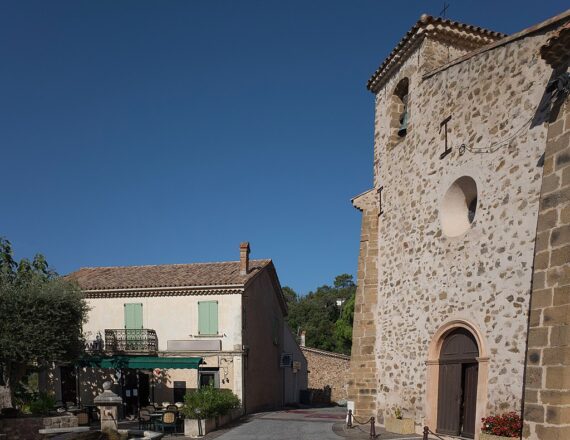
x,y
449,230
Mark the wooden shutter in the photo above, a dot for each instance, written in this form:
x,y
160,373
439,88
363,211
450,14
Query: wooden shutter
x,y
208,317
133,316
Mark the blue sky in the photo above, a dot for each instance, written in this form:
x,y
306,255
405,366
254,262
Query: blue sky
x,y
137,132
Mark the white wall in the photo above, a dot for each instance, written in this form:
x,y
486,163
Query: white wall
x,y
173,318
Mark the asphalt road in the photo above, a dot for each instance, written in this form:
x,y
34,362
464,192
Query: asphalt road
x,y
293,424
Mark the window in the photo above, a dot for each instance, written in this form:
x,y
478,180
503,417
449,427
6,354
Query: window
x,y
208,317
209,377
179,390
275,331
399,112
459,206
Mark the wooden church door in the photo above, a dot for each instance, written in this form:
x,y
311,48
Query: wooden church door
x,y
457,394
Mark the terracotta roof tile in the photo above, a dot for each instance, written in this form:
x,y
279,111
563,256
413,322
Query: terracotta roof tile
x,y
426,24
165,276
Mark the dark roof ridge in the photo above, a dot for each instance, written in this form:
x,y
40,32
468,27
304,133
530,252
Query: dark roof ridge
x,y
259,260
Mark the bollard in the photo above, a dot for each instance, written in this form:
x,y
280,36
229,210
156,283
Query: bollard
x,y
426,431
372,428
349,419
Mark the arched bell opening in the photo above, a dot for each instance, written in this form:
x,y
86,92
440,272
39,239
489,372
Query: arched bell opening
x,y
399,112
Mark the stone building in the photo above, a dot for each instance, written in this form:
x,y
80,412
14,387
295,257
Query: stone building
x,y
328,373
463,300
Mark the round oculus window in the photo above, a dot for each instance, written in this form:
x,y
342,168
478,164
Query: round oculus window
x,y
459,206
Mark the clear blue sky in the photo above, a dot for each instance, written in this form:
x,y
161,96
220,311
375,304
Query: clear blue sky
x,y
137,132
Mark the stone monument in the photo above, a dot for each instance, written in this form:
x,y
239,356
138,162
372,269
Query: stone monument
x,y
108,404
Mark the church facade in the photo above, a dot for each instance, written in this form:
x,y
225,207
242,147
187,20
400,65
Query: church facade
x,y
463,274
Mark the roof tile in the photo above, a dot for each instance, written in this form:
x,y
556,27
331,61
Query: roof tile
x,y
165,276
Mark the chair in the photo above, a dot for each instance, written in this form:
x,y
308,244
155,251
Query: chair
x,y
172,408
145,420
168,421
150,408
82,417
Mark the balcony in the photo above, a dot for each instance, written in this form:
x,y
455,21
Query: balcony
x,y
133,341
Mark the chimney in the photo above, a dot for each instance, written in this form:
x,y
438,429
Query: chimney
x,y
244,258
303,338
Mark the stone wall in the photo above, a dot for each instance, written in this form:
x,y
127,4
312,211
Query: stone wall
x,y
547,391
482,278
362,380
327,369
26,428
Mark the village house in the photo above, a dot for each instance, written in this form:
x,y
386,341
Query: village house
x,y
463,298
159,332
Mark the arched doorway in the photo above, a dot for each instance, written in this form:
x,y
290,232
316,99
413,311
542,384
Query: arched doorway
x,y
457,384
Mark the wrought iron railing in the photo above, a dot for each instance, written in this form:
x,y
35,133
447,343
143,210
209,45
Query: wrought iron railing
x,y
131,340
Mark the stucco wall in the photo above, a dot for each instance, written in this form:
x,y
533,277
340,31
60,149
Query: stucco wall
x,y
295,381
264,378
483,276
172,317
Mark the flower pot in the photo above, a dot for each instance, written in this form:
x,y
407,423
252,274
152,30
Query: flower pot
x,y
400,426
485,436
197,428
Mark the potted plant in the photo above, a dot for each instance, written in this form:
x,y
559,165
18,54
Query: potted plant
x,y
398,424
205,409
502,427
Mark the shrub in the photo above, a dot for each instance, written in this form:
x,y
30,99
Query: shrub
x,y
506,425
42,404
209,402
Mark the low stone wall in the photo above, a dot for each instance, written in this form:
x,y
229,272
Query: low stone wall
x,y
26,428
327,369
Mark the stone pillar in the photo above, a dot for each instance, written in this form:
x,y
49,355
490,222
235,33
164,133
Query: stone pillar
x,y
362,381
108,404
547,378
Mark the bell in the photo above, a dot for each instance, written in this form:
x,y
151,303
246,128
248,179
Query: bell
x,y
403,123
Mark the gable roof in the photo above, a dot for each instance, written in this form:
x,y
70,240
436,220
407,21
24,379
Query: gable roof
x,y
476,36
205,276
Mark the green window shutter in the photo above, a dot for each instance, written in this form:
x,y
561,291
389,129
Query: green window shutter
x,y
214,318
133,316
208,317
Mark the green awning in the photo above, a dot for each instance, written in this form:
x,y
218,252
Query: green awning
x,y
143,362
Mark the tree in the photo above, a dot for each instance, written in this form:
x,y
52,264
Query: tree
x,y
325,314
41,316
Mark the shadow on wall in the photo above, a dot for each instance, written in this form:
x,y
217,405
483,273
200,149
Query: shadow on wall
x,y
317,396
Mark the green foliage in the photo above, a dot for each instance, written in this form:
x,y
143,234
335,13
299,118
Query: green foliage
x,y
46,316
43,404
328,326
209,402
398,413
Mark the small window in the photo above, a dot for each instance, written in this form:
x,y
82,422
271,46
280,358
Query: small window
x,y
209,377
179,390
275,331
208,317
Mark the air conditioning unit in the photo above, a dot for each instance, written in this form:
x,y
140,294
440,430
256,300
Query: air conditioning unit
x,y
286,360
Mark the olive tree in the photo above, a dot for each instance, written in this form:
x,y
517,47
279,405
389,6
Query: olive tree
x,y
41,316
